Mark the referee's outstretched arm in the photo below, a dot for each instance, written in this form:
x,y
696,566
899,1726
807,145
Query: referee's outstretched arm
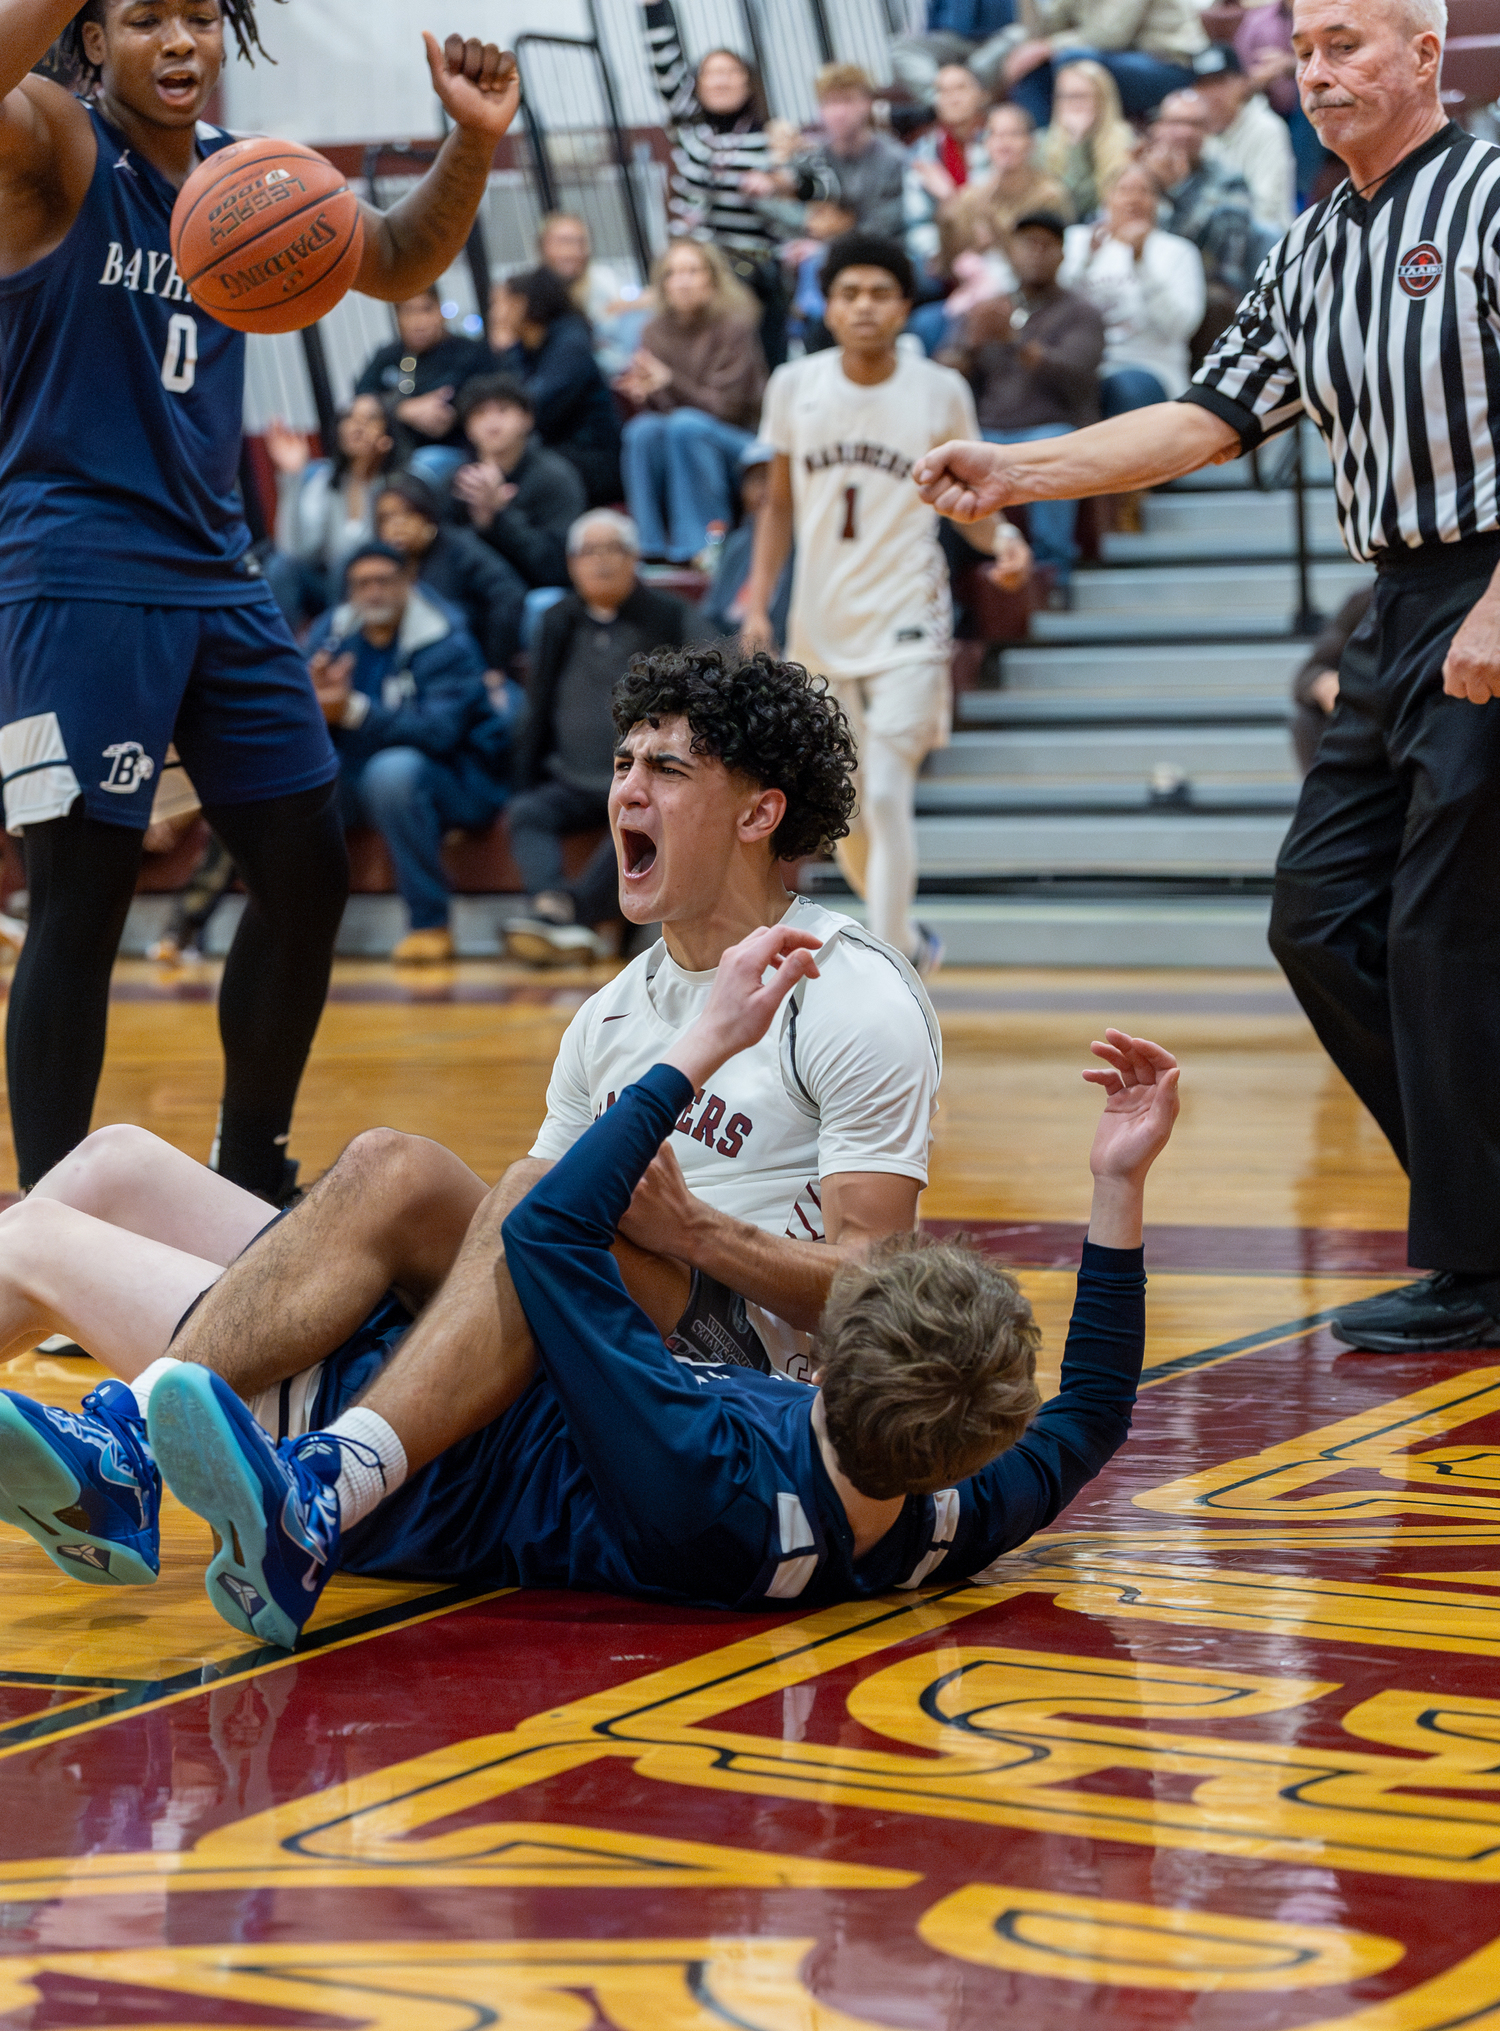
x,y
966,482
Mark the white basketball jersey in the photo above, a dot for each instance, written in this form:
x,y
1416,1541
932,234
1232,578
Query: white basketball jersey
x,y
870,588
845,1080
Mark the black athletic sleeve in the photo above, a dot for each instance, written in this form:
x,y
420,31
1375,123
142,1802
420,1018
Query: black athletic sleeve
x,y
1073,1436
677,1472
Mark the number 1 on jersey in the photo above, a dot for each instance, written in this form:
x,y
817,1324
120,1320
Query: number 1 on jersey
x,y
849,533
180,361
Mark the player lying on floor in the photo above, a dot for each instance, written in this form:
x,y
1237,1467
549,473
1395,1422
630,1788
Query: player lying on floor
x,y
724,769
920,1454
620,1467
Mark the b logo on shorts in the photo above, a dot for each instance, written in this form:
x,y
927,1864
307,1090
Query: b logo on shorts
x,y
1420,269
129,767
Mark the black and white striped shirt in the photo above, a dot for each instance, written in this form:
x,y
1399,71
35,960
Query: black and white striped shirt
x,y
1380,317
704,201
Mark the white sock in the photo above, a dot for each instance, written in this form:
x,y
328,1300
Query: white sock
x,y
148,1378
362,1483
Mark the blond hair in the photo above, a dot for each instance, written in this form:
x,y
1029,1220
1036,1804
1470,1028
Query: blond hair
x,y
841,77
730,296
1110,140
928,1360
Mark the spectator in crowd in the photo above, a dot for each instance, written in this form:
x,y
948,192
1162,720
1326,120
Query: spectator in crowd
x,y
969,32
1245,136
1209,204
1032,358
716,120
421,745
1315,688
853,166
698,378
824,221
1263,43
983,213
453,563
974,225
520,498
544,343
565,761
943,160
325,507
1146,284
723,605
417,376
612,301
1147,46
1089,141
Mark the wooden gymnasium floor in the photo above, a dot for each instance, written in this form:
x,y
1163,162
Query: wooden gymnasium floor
x,y
1222,1749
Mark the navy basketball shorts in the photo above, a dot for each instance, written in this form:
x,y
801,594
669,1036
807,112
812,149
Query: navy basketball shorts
x,y
94,694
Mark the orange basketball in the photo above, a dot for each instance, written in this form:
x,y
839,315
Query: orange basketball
x,y
266,235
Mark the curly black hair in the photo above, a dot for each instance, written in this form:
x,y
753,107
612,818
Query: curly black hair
x,y
868,250
764,719
67,64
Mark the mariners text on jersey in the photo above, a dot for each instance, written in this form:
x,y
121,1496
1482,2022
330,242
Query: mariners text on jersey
x,y
880,456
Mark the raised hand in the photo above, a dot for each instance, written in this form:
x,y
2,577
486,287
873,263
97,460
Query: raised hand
x,y
477,81
967,481
742,1000
1140,1106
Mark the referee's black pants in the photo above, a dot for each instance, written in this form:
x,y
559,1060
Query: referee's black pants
x,y
1387,908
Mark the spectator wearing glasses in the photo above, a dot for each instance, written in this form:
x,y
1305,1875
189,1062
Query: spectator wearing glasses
x,y
698,377
421,746
565,761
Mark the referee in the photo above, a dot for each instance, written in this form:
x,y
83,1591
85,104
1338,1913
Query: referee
x,y
1378,315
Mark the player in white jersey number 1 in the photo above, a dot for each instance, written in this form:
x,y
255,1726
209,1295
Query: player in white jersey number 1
x,y
870,603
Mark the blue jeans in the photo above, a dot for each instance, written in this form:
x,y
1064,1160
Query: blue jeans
x,y
932,325
1051,522
412,801
1128,388
437,463
1143,81
681,473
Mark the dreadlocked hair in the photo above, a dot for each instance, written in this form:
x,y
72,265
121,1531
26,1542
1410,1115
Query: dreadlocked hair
x,y
67,64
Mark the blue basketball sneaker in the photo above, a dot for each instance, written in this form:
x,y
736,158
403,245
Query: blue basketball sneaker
x,y
273,1510
84,1485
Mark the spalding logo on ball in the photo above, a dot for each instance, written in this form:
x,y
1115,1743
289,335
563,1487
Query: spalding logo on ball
x,y
267,235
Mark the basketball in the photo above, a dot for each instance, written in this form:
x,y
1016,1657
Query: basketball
x,y
267,236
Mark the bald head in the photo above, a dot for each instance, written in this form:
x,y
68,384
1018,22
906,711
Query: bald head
x,y
1368,72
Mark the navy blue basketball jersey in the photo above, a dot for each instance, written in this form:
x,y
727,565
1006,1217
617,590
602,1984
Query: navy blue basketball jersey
x,y
120,410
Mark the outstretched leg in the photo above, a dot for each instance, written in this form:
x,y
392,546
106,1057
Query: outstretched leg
x,y
132,1179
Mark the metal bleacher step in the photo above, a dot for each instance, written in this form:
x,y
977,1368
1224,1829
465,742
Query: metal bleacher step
x,y
1204,593
1020,757
1118,708
1246,668
1152,843
1039,929
1238,512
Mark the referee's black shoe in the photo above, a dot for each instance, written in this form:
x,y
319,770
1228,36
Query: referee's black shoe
x,y
1448,1309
